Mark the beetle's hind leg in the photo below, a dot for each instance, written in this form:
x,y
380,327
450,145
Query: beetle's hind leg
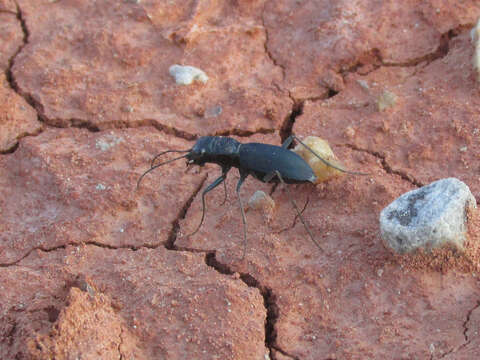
x,y
225,192
225,170
299,213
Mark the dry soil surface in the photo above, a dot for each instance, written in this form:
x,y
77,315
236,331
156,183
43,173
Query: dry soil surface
x,y
93,268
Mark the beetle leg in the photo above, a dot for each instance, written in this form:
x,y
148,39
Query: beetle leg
x,y
243,176
225,192
288,141
268,177
225,170
207,189
298,211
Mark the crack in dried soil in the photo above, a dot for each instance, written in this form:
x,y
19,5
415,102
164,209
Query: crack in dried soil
x,y
21,136
287,126
40,248
64,246
119,124
376,60
465,335
249,280
168,130
286,129
12,149
87,124
11,80
26,35
243,133
467,320
269,299
120,343
35,104
284,354
386,167
265,45
3,11
170,243
441,51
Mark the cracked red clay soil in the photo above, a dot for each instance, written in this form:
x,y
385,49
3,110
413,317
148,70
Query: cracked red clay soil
x,y
92,268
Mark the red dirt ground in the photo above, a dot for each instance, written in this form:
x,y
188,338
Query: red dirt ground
x,y
92,267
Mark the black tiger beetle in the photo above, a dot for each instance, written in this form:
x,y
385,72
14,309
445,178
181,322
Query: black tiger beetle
x,y
267,163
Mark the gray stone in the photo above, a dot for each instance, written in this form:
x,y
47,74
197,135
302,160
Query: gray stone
x,y
429,217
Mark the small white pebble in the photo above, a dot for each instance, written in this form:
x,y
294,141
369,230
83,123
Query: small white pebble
x,y
185,75
363,84
261,200
108,141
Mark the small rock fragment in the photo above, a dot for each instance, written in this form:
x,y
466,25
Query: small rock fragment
x,y
349,132
429,217
322,171
213,112
185,75
263,202
106,142
475,37
363,84
386,100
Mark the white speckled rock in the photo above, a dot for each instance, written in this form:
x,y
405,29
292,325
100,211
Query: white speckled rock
x,y
429,217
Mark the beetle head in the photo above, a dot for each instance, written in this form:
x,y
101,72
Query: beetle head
x,y
199,151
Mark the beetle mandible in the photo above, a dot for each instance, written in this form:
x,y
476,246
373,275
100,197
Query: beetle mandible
x,y
267,163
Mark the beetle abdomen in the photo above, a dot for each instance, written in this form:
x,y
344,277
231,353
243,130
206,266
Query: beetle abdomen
x,y
263,159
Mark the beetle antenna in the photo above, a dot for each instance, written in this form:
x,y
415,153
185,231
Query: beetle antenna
x,y
328,163
158,165
165,152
